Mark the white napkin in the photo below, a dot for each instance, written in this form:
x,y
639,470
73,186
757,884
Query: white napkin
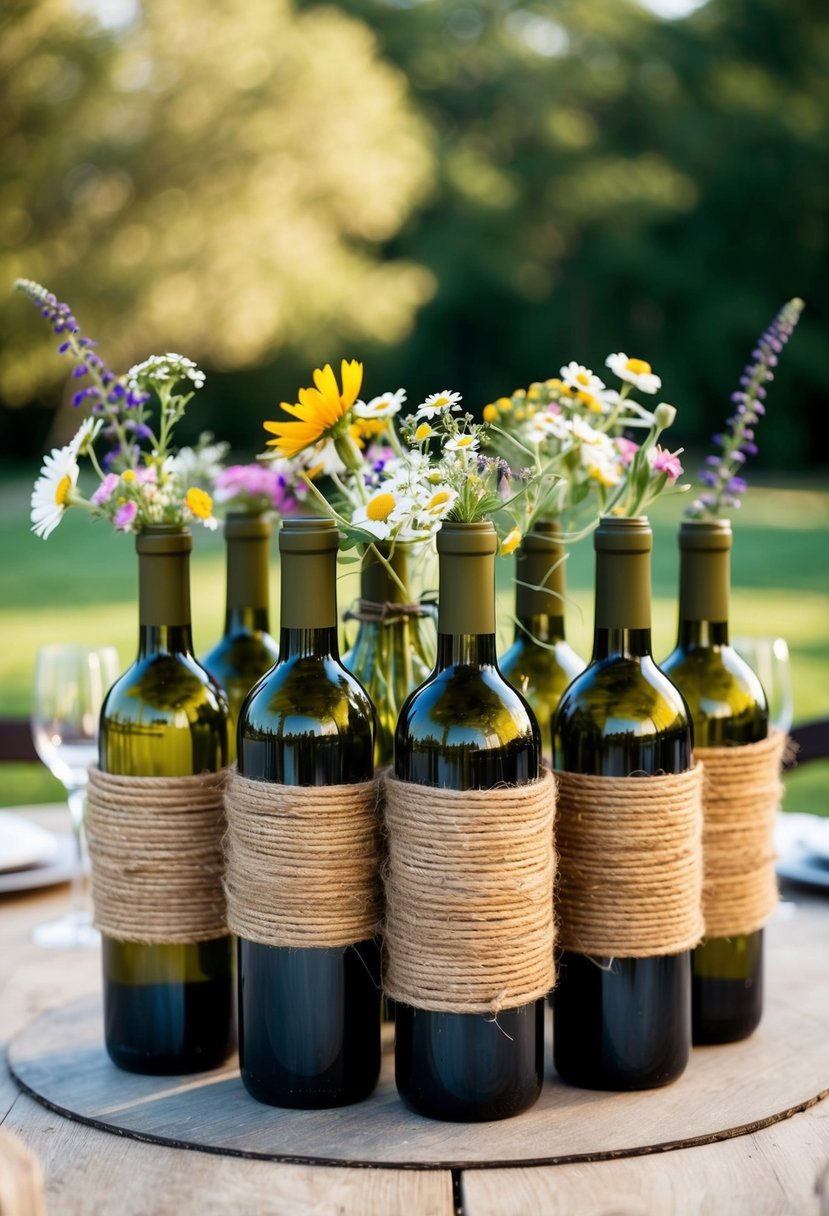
x,y
24,844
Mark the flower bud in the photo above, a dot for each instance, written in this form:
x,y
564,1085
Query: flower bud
x,y
664,415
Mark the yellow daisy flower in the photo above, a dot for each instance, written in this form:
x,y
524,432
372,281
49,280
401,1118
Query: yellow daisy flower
x,y
319,410
199,503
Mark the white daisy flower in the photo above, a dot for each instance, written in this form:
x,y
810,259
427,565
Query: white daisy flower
x,y
383,406
634,371
438,403
585,433
53,489
461,443
437,505
555,425
161,369
582,379
383,512
322,459
603,469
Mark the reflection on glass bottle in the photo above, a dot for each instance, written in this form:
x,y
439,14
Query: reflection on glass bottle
x,y
622,1024
309,1019
393,651
467,728
727,705
246,650
167,1007
541,663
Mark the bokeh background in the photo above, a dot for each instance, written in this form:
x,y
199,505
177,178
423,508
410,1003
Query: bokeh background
x,y
464,195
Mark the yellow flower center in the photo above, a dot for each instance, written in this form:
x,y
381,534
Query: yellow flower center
x,y
463,441
592,403
440,402
583,377
423,432
511,542
381,405
380,507
638,366
62,491
437,500
128,475
490,413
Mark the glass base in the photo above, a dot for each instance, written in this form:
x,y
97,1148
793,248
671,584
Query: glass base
x,y
69,932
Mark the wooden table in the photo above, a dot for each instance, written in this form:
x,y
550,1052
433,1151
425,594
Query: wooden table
x,y
773,1170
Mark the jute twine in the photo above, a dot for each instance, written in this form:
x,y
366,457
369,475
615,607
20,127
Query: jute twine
x,y
376,612
630,864
303,862
156,850
21,1179
469,885
741,795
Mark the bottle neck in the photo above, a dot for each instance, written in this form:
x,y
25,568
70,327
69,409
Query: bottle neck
x,y
247,592
466,610
381,585
540,586
164,604
309,605
623,605
704,580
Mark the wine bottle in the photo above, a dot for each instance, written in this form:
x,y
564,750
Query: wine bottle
x,y
309,1018
246,650
728,706
393,651
623,1023
467,728
167,1007
540,663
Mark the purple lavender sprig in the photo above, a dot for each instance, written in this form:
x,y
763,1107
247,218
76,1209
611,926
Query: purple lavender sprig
x,y
107,394
722,470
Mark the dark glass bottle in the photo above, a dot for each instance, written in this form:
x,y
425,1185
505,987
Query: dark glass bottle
x,y
541,663
622,1024
467,728
392,652
246,650
727,705
167,1008
309,1019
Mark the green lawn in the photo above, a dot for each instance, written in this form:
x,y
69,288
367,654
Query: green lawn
x,y
81,584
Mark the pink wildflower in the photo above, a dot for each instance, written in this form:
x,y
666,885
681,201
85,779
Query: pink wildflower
x,y
105,489
125,515
667,462
627,449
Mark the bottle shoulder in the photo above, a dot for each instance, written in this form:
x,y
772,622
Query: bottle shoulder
x,y
166,685
537,665
246,653
723,694
306,696
467,705
623,695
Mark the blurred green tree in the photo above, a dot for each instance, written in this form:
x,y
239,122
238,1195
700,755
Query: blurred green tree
x,y
218,179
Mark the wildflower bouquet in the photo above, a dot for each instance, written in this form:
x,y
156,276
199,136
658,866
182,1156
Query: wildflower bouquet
x,y
571,431
394,481
721,475
142,482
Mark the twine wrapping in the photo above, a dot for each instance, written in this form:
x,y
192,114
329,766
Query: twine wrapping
x,y
156,850
376,612
741,795
469,885
303,862
630,864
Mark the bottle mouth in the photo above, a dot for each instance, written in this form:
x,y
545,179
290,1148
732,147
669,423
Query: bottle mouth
x,y
308,535
241,526
479,537
705,535
623,534
161,540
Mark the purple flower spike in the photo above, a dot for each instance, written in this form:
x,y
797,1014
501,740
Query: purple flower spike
x,y
737,443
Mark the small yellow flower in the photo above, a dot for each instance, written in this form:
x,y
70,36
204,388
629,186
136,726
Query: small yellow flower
x,y
491,413
504,405
593,403
604,476
520,415
319,410
365,429
534,392
511,542
128,475
424,431
199,503
555,385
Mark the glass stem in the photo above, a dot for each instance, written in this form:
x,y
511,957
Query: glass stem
x,y
77,804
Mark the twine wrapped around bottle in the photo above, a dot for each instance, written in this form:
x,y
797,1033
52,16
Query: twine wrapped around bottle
x,y
630,864
156,850
741,796
302,862
469,884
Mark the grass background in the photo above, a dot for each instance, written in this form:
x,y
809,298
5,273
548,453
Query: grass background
x,y
80,585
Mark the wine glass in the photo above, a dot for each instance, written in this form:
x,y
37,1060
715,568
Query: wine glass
x,y
769,659
69,689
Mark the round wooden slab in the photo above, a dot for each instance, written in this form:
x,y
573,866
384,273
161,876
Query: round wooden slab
x,y
726,1091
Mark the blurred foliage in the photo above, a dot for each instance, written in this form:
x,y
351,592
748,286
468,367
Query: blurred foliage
x,y
211,178
261,188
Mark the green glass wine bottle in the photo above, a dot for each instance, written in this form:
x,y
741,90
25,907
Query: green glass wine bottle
x,y
167,1007
728,706
540,663
246,650
393,652
467,728
309,1018
622,1024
